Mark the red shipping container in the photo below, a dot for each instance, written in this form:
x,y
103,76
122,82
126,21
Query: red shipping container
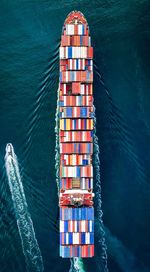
x,y
63,68
85,40
61,133
90,52
91,250
65,40
63,62
76,87
63,76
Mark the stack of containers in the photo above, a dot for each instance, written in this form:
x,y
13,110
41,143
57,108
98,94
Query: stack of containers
x,y
76,135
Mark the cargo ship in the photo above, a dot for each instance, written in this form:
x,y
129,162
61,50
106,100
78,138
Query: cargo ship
x,y
76,212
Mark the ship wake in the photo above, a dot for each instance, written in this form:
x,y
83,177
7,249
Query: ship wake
x,y
31,250
102,261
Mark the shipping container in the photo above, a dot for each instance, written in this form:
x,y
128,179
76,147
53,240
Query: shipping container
x,y
85,251
76,64
73,183
76,124
70,29
76,76
76,238
81,226
84,213
76,112
76,171
65,40
76,52
85,88
77,148
76,101
76,136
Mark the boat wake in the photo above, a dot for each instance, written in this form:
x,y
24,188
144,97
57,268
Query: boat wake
x,y
102,263
76,265
29,243
57,164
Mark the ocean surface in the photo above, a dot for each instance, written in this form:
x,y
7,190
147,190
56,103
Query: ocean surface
x,y
29,74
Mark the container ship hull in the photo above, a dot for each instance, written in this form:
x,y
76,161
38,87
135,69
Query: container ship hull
x,y
76,216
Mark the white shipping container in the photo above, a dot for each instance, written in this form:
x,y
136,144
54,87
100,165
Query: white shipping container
x,y
75,226
79,123
75,112
69,171
61,53
84,183
64,98
79,52
67,79
64,88
83,225
73,53
73,137
61,226
74,160
80,29
66,51
69,29
67,238
90,226
87,238
71,64
75,76
83,173
82,88
76,239
60,148
83,64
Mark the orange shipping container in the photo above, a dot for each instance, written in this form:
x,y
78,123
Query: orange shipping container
x,y
75,41
76,29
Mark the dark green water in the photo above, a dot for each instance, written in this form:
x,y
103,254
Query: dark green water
x,y
29,42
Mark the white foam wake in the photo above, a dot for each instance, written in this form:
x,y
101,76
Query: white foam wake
x,y
102,262
76,265
57,151
31,251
